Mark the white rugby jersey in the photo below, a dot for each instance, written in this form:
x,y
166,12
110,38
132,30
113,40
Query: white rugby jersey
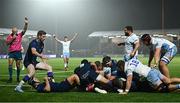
x,y
129,43
136,66
161,43
66,46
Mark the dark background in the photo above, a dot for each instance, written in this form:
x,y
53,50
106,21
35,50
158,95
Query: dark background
x,y
64,17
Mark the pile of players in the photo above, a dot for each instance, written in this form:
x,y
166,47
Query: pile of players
x,y
120,76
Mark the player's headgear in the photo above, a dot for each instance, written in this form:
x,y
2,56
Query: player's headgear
x,y
120,64
106,60
98,63
84,61
146,37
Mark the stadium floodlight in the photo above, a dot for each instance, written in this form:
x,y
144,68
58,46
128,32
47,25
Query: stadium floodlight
x,y
123,37
105,36
118,36
172,35
157,35
111,37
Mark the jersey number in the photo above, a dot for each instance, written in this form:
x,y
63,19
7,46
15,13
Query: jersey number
x,y
134,62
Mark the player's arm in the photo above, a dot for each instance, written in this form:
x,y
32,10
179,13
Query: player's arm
x,y
151,56
47,85
136,47
25,26
58,40
9,40
37,54
157,56
76,34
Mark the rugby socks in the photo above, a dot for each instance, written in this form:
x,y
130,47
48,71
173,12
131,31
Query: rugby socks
x,y
65,65
51,75
25,79
10,72
18,73
177,86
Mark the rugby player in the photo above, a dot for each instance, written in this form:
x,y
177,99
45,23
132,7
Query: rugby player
x,y
162,50
35,50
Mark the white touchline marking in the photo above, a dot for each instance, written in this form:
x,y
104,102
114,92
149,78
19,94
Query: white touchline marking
x,y
44,73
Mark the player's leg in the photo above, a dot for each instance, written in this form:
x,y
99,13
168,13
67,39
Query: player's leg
x,y
164,69
73,79
10,67
66,60
48,68
18,63
65,63
31,72
165,60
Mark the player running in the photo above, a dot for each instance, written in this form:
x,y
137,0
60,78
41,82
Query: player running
x,y
35,50
162,50
158,81
66,51
131,44
14,41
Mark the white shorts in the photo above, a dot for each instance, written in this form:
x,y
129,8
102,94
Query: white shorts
x,y
66,55
155,77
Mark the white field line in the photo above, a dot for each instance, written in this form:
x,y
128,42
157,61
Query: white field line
x,y
44,73
10,85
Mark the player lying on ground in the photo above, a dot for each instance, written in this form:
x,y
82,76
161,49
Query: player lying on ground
x,y
49,86
111,72
162,50
35,50
158,81
88,75
66,51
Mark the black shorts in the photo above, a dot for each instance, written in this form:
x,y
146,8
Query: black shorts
x,y
27,63
17,55
64,86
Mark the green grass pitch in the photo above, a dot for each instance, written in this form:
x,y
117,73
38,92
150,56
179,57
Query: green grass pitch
x,y
7,93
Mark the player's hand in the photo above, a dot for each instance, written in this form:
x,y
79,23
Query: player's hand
x,y
26,20
44,57
14,36
76,34
45,78
54,36
132,54
154,65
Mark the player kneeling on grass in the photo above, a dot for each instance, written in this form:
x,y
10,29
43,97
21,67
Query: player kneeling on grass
x,y
157,80
35,50
49,86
